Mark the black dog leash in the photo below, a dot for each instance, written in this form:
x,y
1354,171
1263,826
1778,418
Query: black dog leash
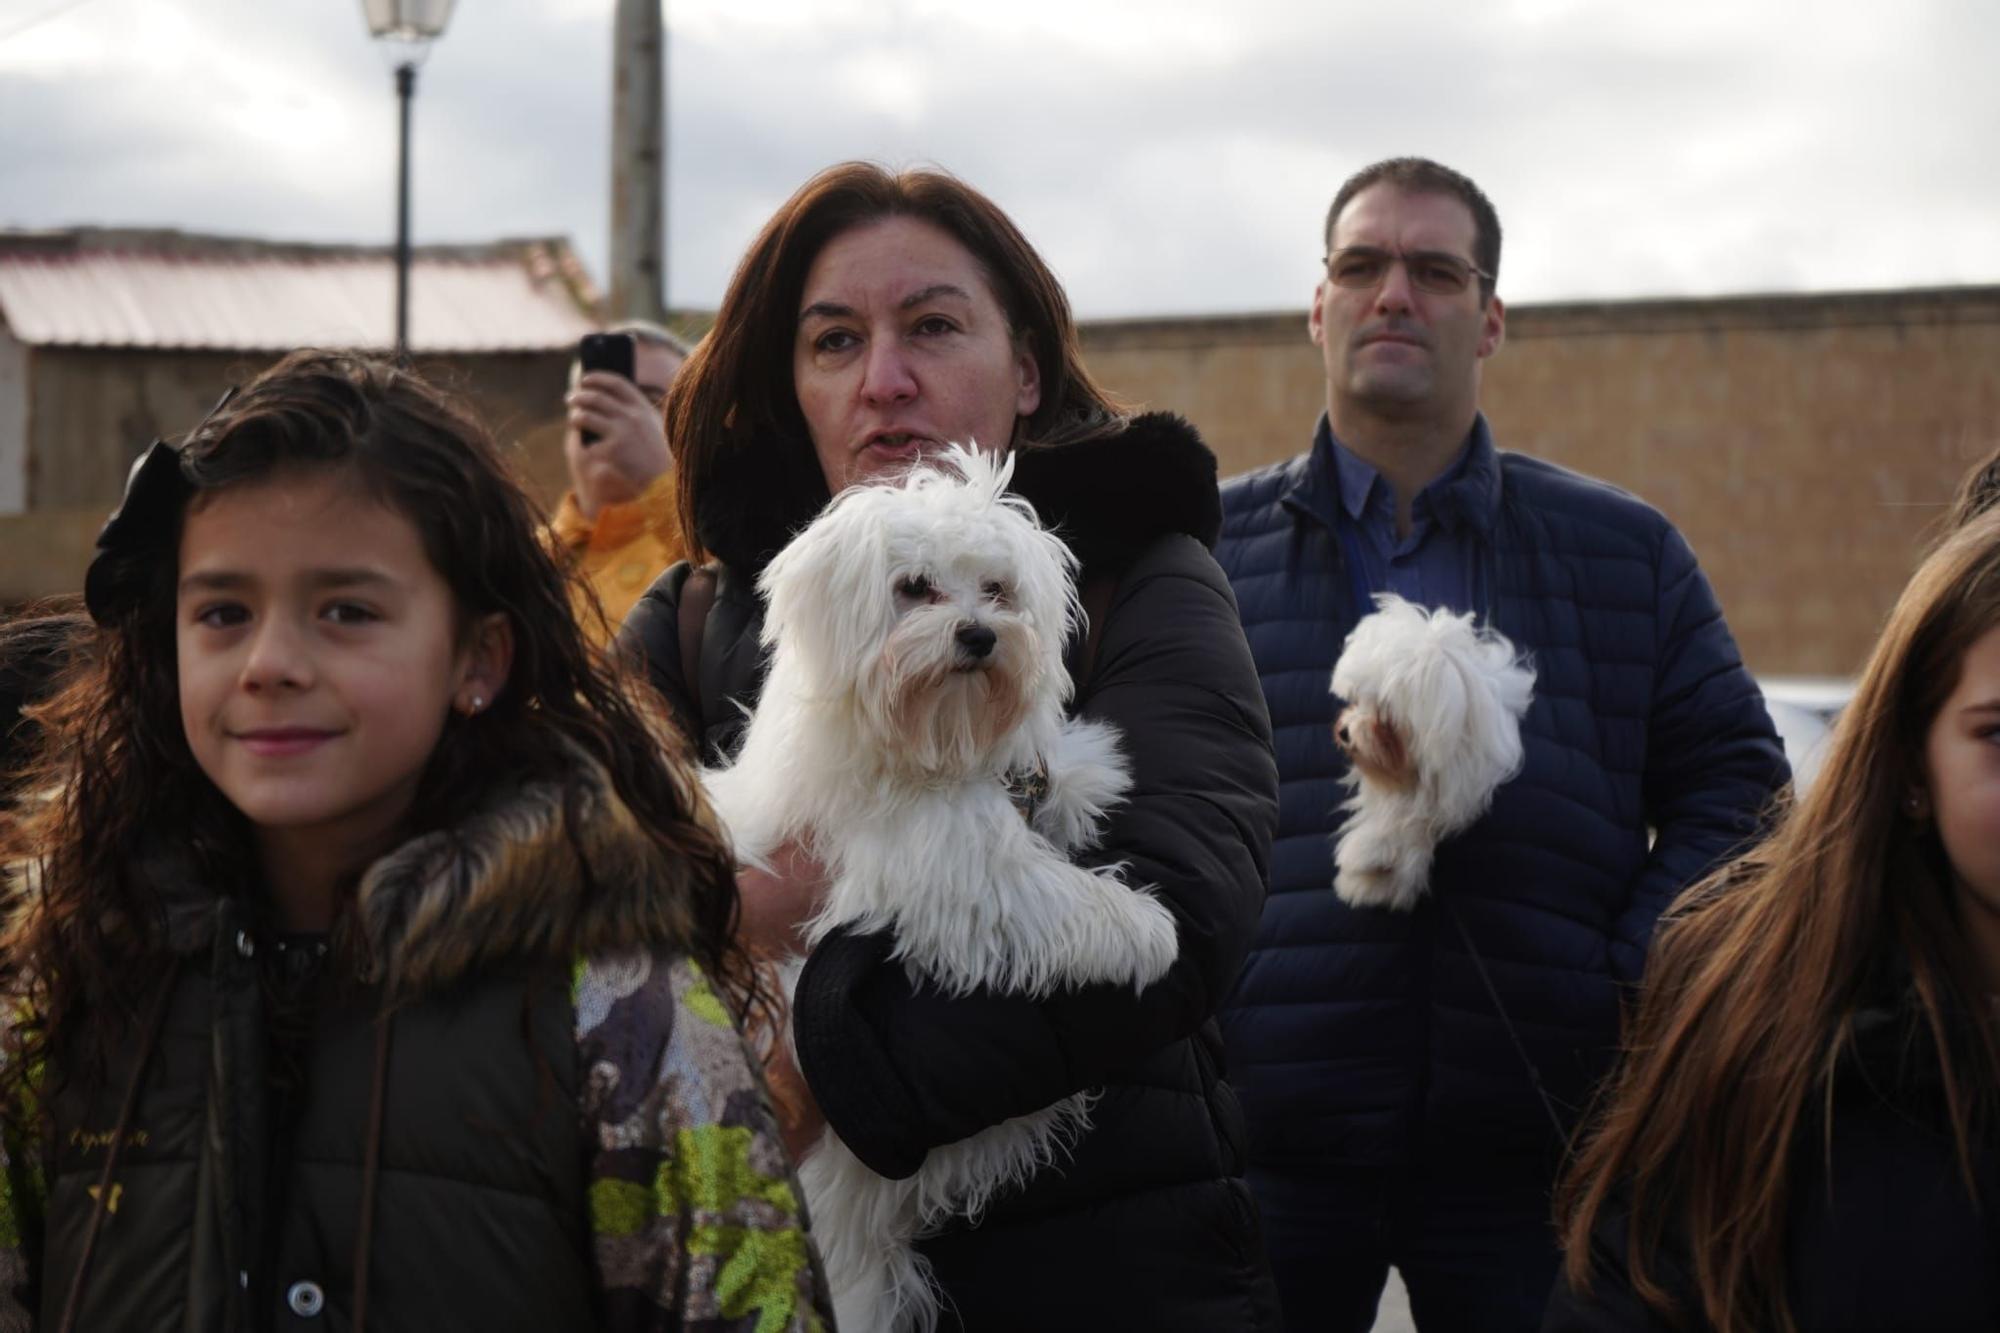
x,y
1513,1034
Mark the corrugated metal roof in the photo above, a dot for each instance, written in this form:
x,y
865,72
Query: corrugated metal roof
x,y
512,297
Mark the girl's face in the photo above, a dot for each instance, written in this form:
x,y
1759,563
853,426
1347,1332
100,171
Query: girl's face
x,y
319,657
903,348
1962,772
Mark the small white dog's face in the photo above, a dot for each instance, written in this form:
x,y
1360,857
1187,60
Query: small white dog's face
x,y
934,602
1373,742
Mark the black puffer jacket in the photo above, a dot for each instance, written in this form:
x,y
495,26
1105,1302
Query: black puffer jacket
x,y
1150,1225
1888,1238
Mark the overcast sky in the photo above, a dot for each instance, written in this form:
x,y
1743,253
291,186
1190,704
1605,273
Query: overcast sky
x,y
1166,156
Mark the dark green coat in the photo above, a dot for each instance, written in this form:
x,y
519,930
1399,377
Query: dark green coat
x,y
572,1135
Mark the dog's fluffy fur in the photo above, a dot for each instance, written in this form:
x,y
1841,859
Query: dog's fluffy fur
x,y
1431,728
916,632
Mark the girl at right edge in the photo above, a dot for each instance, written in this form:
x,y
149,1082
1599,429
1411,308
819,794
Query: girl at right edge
x,y
1803,1134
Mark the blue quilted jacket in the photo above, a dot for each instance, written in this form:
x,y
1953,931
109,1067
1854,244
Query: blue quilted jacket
x,y
1364,1037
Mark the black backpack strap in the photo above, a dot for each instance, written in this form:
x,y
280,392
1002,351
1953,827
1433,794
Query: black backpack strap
x,y
697,596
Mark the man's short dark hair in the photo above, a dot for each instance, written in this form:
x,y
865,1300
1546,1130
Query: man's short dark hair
x,y
1420,175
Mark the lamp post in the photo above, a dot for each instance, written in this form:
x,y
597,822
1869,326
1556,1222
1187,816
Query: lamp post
x,y
409,27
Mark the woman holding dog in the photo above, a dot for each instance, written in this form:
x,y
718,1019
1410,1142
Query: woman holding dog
x,y
877,317
1805,1134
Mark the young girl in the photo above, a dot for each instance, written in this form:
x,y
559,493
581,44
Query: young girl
x,y
1803,1135
375,967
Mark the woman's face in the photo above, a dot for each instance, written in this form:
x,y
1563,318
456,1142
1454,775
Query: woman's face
x,y
1962,770
903,348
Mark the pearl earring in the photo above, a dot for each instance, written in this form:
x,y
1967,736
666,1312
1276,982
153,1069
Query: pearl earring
x,y
478,702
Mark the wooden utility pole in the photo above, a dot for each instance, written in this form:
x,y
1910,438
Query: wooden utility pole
x,y
638,161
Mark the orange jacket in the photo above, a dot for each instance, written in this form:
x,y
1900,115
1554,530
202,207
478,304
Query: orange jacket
x,y
620,552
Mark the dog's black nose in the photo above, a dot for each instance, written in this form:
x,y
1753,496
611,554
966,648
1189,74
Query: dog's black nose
x,y
977,640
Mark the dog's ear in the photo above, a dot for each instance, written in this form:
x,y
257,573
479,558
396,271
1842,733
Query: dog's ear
x,y
826,595
1045,579
1437,707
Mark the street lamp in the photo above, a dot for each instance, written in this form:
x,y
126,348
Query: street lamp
x,y
410,26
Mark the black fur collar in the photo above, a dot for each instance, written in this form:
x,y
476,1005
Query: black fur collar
x,y
1110,498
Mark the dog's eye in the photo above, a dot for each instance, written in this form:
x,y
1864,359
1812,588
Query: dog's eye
x,y
916,588
994,590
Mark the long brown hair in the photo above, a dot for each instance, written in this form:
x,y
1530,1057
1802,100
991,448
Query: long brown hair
x,y
125,782
1978,492
733,412
1753,985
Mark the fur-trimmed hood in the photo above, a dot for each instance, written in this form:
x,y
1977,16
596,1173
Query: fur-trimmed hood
x,y
515,880
1109,498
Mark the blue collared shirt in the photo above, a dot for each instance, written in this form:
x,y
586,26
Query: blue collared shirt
x,y
1435,564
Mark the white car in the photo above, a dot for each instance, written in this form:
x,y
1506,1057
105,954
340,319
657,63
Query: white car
x,y
1803,709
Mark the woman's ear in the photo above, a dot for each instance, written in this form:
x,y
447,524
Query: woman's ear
x,y
1027,377
488,657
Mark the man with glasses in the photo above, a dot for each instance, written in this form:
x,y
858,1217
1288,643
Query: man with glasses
x,y
618,520
1409,1077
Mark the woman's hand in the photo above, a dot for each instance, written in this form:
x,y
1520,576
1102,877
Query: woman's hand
x,y
799,1120
776,905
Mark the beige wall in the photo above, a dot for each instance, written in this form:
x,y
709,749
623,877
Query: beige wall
x,y
1803,444
93,411
45,553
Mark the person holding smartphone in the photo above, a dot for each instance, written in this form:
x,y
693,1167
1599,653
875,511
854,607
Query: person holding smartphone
x,y
618,521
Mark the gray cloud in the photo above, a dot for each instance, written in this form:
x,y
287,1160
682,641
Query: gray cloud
x,y
1717,148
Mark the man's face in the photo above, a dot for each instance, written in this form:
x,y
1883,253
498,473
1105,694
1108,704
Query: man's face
x,y
1392,348
653,370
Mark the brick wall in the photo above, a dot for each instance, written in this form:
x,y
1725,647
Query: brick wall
x,y
1804,445
45,552
93,411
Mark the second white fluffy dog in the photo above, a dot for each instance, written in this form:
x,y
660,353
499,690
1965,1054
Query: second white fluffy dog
x,y
911,736
1432,728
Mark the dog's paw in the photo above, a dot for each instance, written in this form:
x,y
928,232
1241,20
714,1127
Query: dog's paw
x,y
1121,935
1088,777
1378,888
1382,861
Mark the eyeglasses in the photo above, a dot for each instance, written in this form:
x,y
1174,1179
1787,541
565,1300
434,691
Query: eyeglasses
x,y
1362,267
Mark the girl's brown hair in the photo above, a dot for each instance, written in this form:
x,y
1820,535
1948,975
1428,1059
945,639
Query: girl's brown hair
x,y
126,786
733,413
1753,985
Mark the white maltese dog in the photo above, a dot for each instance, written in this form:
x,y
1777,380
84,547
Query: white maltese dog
x,y
911,736
1432,727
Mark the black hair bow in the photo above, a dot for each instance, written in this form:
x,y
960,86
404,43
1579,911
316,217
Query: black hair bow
x,y
135,536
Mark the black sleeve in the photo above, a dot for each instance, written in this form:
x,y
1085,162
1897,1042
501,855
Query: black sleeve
x,y
1713,761
899,1069
651,635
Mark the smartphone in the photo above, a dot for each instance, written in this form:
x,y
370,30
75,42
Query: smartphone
x,y
605,351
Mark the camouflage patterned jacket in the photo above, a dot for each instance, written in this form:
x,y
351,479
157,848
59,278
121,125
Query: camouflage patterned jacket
x,y
662,1198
